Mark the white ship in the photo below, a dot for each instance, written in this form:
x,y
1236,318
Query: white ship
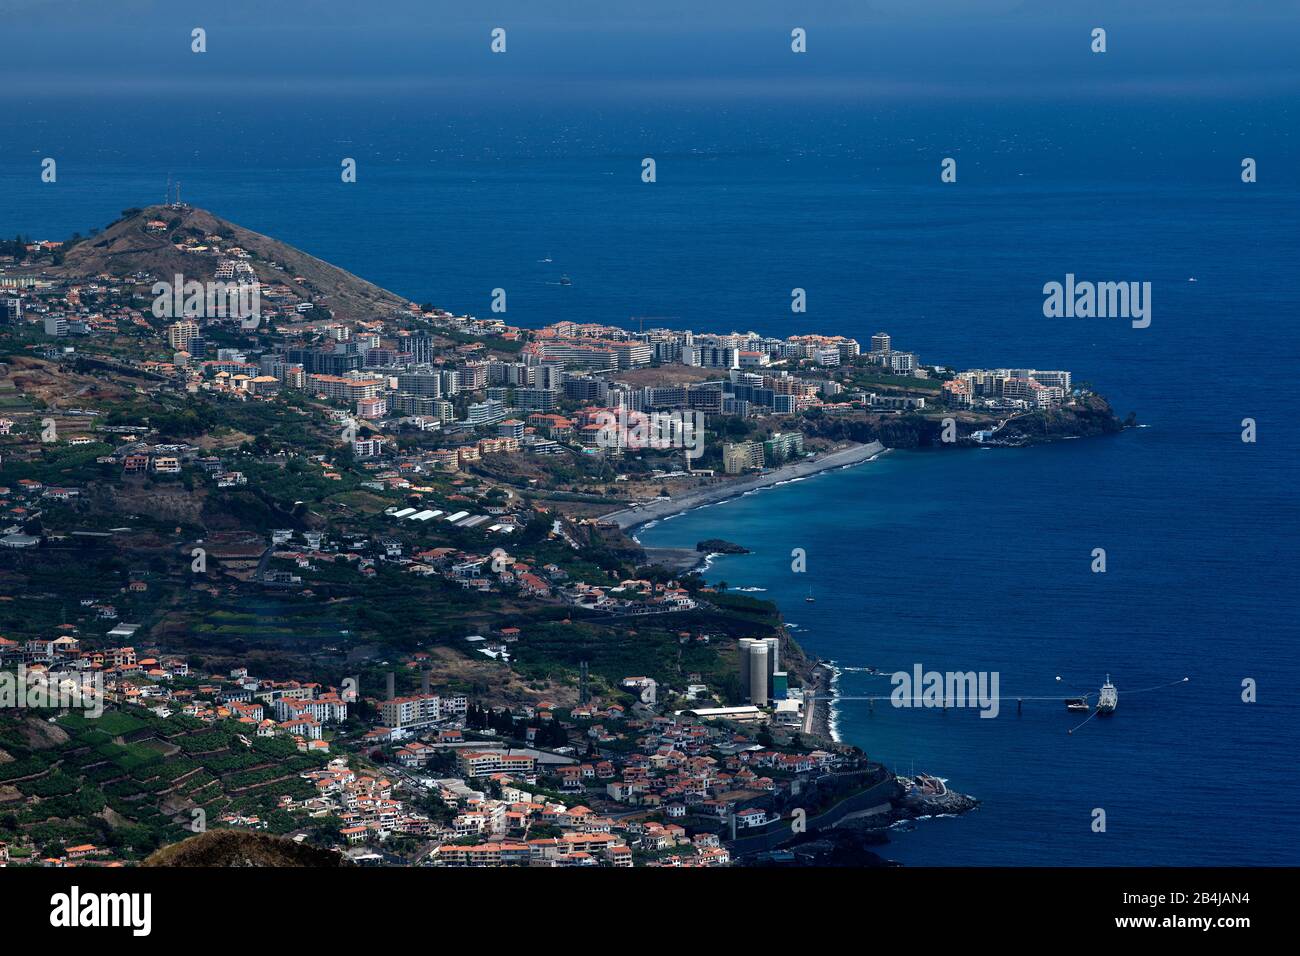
x,y
1108,698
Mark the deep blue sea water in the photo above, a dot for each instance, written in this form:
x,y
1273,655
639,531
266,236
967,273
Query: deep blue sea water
x,y
958,561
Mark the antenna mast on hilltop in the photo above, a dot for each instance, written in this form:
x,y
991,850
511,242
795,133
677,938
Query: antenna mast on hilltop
x,y
167,196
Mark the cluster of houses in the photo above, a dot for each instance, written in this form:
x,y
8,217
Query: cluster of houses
x,y
502,571
83,854
26,501
664,794
267,708
691,780
364,801
496,832
100,305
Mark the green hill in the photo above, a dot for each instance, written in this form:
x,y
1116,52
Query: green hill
x,y
130,782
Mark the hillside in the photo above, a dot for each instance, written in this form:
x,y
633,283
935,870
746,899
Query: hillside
x,y
133,782
236,848
129,246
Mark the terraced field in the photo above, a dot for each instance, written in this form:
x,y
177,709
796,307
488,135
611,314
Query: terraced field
x,y
131,781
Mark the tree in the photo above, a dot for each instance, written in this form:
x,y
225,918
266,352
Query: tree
x,y
536,530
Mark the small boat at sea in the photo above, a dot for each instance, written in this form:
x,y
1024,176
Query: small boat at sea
x,y
810,599
1108,699
1076,703
565,280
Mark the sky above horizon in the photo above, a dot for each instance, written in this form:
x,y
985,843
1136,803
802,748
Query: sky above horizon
x,y
663,50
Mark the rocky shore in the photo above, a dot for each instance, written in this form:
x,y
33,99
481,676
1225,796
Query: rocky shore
x,y
680,560
823,707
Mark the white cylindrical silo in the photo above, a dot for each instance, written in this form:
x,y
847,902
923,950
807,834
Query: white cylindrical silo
x,y
745,644
758,666
773,654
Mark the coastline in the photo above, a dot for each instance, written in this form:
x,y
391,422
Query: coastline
x,y
629,519
821,719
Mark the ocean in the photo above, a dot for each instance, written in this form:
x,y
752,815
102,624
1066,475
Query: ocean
x,y
960,560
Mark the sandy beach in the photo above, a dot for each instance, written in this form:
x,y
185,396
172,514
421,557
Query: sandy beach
x,y
723,488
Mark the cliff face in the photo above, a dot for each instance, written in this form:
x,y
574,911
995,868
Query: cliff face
x,y
1090,416
907,431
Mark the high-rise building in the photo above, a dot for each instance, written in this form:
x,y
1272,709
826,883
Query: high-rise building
x,y
712,356
741,456
316,362
782,446
347,389
421,383
181,334
902,362
415,404
667,396
705,398
517,374
549,376
537,399
485,413
472,375
581,389
420,345
632,354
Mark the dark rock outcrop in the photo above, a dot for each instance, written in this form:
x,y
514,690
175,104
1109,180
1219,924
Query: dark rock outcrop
x,y
241,848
